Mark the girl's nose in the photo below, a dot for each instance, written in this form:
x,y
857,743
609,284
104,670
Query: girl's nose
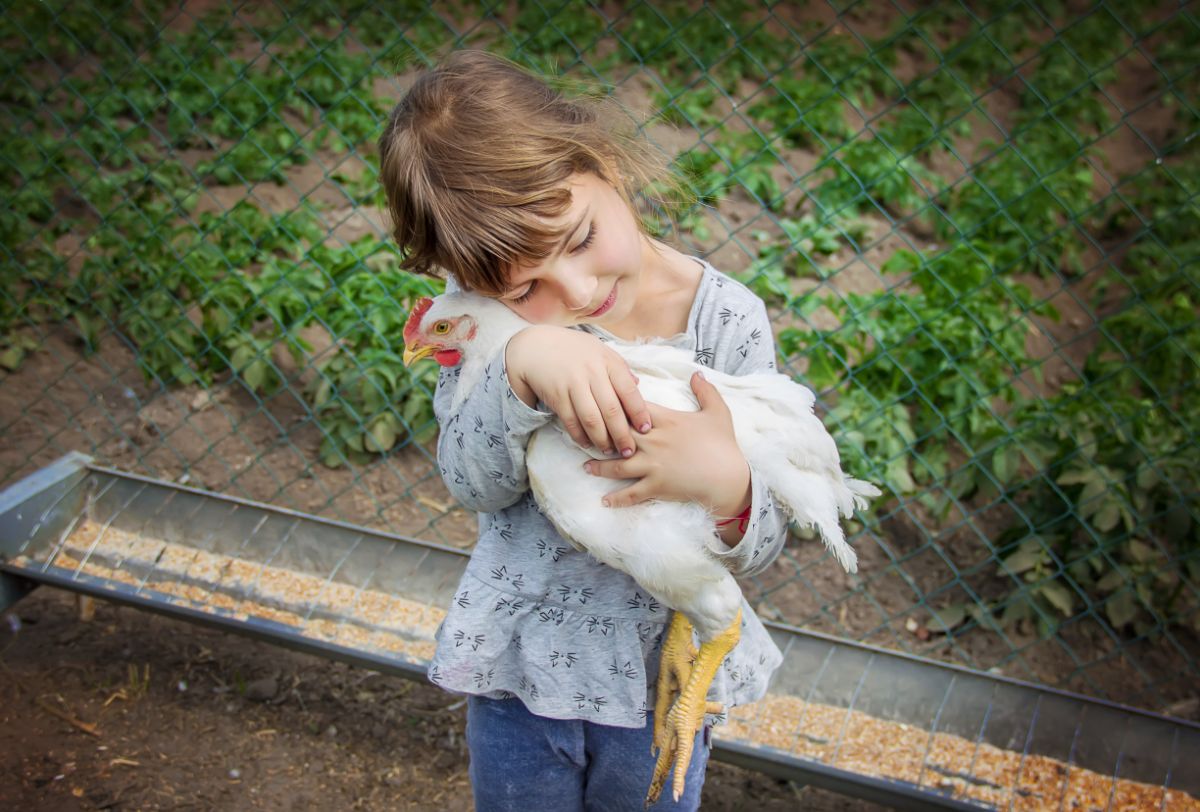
x,y
579,288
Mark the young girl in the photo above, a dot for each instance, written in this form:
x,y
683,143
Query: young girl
x,y
525,195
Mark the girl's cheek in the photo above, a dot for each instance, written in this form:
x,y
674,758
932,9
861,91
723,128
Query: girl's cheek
x,y
630,248
538,310
612,256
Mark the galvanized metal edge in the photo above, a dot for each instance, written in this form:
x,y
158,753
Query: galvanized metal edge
x,y
258,629
896,794
962,669
21,490
282,511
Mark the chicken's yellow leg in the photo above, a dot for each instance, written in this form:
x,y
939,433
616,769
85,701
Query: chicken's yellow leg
x,y
686,716
674,667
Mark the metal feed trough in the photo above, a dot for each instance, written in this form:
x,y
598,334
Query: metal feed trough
x,y
858,720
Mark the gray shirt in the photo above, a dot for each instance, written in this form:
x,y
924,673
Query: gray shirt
x,y
537,619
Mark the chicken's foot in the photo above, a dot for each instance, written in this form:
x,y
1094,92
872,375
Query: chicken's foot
x,y
686,717
674,667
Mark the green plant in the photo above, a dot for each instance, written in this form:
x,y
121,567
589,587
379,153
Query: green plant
x,y
364,397
835,59
796,255
687,106
1120,514
722,39
918,373
866,175
805,112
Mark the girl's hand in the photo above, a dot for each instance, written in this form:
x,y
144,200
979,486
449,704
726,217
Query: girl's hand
x,y
588,385
688,457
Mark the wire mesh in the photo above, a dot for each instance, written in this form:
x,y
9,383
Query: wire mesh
x,y
975,225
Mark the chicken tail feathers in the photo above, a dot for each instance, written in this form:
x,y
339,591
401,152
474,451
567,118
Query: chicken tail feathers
x,y
842,551
819,501
834,538
860,492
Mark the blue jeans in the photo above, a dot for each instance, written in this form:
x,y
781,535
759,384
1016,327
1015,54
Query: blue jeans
x,y
520,762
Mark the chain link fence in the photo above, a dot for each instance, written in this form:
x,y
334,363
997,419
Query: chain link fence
x,y
975,224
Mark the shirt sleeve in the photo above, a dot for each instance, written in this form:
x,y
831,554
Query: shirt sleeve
x,y
481,447
751,349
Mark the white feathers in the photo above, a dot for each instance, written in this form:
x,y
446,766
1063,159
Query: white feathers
x,y
661,545
776,429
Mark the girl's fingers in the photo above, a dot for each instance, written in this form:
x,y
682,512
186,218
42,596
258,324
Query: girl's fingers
x,y
626,497
590,420
708,397
613,414
625,384
636,469
617,469
570,423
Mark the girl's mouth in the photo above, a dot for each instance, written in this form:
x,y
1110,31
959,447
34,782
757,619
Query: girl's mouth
x,y
608,303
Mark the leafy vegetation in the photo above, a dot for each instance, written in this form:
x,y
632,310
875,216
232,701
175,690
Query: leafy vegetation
x,y
924,374
1117,517
205,297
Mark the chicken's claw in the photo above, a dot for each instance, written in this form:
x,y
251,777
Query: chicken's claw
x,y
686,717
674,668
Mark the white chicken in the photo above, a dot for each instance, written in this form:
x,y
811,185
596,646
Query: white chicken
x,y
664,546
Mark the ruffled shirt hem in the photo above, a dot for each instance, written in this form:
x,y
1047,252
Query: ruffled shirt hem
x,y
566,662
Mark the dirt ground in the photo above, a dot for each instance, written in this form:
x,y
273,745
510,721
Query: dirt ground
x,y
135,711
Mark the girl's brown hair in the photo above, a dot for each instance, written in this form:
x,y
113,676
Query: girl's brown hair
x,y
476,157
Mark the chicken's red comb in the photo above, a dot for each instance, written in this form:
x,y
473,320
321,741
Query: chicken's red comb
x,y
413,325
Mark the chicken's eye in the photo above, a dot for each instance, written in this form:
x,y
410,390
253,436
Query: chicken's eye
x,y
441,328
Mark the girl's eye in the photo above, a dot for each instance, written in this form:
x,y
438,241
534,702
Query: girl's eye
x,y
524,297
587,241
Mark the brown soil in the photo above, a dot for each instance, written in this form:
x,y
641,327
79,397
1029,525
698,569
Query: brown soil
x,y
182,717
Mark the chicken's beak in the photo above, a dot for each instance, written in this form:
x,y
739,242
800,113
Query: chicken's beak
x,y
414,354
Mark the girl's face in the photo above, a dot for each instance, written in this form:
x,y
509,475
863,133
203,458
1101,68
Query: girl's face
x,y
595,274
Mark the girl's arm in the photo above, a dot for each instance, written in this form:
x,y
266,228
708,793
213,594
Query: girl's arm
x,y
766,528
585,383
481,448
